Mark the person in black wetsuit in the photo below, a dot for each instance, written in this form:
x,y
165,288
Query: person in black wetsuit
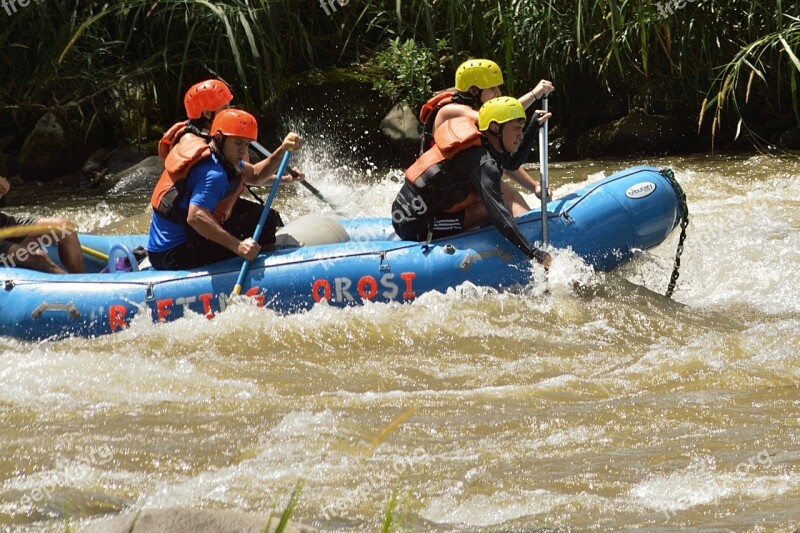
x,y
477,82
455,185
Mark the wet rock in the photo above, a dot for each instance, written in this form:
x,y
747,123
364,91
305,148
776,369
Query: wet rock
x,y
634,134
141,177
790,139
178,520
107,168
92,175
562,149
401,124
42,153
51,150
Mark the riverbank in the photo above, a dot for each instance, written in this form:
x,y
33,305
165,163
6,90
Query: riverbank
x,y
629,81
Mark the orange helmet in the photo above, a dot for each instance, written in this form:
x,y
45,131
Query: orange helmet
x,y
207,95
236,123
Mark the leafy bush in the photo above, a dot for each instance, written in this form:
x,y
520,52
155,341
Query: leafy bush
x,y
407,69
96,53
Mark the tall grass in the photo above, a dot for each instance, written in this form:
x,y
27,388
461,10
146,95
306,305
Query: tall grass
x,y
138,56
771,67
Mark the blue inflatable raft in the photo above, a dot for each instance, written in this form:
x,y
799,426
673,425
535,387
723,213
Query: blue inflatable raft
x,y
605,223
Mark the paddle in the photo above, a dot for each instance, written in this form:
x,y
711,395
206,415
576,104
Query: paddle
x,y
24,231
261,221
36,229
94,253
265,153
543,170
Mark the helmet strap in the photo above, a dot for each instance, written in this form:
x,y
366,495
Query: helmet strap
x,y
217,148
467,99
499,136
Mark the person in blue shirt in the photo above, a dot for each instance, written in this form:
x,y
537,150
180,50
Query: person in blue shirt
x,y
198,217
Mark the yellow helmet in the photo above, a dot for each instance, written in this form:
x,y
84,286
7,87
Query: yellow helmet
x,y
501,110
482,73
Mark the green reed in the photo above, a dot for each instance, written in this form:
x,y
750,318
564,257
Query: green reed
x,y
136,57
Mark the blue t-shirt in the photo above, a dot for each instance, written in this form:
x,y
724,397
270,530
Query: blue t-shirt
x,y
206,185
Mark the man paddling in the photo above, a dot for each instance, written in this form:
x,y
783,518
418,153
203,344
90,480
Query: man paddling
x,y
455,185
33,234
202,102
477,82
198,217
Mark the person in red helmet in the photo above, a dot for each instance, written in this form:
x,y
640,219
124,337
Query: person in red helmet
x,y
198,217
202,103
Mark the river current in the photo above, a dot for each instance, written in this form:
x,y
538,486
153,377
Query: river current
x,y
603,408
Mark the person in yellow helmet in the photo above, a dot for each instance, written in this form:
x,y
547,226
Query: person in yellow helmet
x,y
477,82
456,185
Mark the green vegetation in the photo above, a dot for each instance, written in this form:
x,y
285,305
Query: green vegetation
x,y
757,62
287,514
406,70
388,515
128,61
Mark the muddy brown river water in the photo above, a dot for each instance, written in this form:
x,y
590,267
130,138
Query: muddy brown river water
x,y
608,409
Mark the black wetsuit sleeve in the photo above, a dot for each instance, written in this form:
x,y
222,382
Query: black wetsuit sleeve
x,y
518,158
486,178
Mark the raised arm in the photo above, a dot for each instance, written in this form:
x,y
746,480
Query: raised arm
x,y
542,89
263,172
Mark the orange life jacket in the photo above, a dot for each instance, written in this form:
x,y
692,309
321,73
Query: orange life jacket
x,y
436,101
172,183
225,206
176,132
452,137
427,115
174,135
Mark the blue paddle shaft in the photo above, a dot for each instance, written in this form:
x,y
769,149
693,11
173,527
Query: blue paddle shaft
x,y
264,213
